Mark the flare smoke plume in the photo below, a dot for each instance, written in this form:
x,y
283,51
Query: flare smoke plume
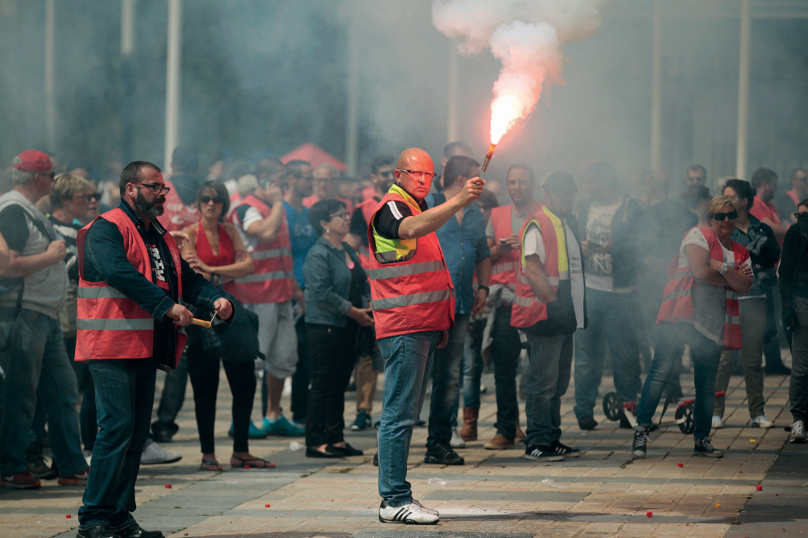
x,y
526,36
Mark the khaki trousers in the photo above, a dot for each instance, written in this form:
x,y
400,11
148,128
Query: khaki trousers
x,y
365,384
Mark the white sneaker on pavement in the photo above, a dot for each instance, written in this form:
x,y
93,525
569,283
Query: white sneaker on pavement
x,y
762,422
457,441
411,514
153,455
798,434
717,422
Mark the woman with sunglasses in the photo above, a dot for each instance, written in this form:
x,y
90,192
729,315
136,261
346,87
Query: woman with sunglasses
x,y
336,290
214,249
700,301
760,241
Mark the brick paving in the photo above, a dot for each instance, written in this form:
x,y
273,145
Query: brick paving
x,y
496,494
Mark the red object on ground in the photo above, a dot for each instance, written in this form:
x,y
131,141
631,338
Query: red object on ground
x,y
168,486
68,516
313,155
759,487
681,464
649,514
246,466
266,506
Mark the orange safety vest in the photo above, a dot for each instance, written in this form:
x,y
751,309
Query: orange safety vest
x,y
412,295
503,271
177,215
677,299
368,208
527,310
109,324
272,281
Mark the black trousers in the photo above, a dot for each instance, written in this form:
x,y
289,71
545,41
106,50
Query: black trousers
x,y
302,375
332,361
203,369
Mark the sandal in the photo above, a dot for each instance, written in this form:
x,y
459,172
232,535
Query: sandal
x,y
210,463
250,463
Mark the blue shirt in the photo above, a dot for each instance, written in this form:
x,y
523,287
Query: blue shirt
x,y
464,245
302,237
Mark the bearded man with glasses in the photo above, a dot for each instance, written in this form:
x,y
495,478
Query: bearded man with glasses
x,y
131,280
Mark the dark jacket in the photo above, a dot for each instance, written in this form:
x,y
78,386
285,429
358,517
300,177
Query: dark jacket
x,y
794,269
627,261
761,243
105,261
328,283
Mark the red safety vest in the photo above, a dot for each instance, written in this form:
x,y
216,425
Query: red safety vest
x,y
177,215
415,294
527,310
503,271
273,279
677,299
368,208
109,324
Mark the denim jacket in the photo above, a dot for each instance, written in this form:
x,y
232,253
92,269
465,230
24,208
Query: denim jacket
x,y
328,283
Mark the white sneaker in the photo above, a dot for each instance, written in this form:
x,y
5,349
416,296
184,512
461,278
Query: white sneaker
x,y
457,441
798,434
717,422
762,422
412,514
428,510
153,455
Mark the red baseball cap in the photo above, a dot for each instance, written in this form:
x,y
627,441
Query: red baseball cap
x,y
32,160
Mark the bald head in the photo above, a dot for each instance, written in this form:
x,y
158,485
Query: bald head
x,y
414,172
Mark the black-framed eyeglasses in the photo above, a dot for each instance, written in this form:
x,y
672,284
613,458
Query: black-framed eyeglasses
x,y
209,199
417,174
156,188
343,215
387,174
732,215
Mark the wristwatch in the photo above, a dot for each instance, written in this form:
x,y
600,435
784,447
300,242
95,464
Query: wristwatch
x,y
724,269
487,291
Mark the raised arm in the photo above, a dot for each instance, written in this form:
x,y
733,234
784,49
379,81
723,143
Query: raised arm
x,y
432,219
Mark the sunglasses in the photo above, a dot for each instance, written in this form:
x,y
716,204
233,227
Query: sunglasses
x,y
732,215
387,174
209,199
90,197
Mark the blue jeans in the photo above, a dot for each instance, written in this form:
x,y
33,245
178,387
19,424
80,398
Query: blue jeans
x,y
407,359
171,399
548,380
124,395
505,349
472,366
37,364
446,385
611,315
705,356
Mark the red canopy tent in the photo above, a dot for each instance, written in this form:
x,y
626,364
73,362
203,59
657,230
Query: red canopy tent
x,y
314,155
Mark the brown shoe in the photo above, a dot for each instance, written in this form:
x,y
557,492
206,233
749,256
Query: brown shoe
x,y
520,435
469,430
498,443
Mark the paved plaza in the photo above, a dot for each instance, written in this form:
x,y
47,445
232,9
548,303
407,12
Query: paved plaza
x,y
495,494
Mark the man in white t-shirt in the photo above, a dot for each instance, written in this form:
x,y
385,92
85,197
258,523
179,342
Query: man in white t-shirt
x,y
609,228
555,310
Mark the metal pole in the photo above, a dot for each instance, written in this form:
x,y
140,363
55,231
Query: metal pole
x,y
656,89
451,123
352,129
127,48
127,27
50,104
743,89
173,69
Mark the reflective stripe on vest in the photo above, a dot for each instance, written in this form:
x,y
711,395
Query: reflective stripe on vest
x,y
115,324
410,287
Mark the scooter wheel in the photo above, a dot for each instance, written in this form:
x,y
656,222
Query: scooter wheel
x,y
612,406
686,412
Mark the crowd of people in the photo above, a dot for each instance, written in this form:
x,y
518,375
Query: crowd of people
x,y
423,276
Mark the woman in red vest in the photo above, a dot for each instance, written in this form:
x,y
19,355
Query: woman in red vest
x,y
214,249
700,302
